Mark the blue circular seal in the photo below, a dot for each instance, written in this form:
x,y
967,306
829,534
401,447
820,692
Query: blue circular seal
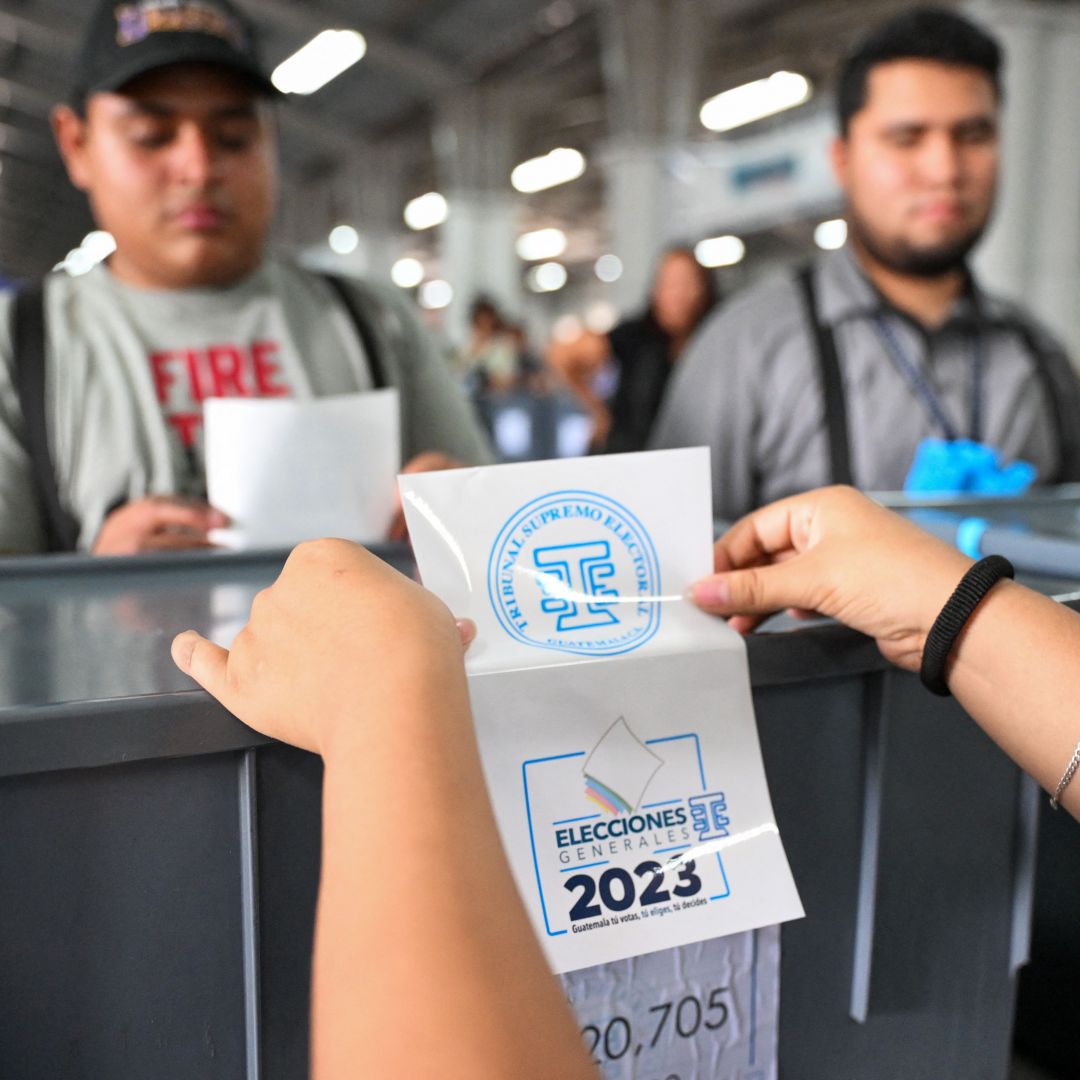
x,y
576,572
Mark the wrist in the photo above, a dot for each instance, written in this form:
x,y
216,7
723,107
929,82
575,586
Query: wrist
x,y
417,701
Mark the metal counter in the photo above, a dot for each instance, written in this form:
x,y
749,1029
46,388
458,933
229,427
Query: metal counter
x,y
159,860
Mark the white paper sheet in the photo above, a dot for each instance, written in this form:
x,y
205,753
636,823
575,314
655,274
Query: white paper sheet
x,y
286,470
701,1012
614,718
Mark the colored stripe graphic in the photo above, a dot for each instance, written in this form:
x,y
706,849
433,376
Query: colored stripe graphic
x,y
604,797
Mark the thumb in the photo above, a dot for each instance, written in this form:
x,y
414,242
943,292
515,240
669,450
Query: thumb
x,y
467,632
204,661
757,590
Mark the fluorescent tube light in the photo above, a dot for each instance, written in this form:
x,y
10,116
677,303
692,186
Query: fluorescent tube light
x,y
343,239
830,235
608,268
541,244
323,58
560,166
755,100
407,273
426,211
436,294
547,277
720,251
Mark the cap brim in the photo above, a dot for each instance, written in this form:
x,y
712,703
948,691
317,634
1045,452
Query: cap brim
x,y
184,49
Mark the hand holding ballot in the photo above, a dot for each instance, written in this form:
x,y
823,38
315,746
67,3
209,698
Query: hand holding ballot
x,y
158,523
835,552
345,656
287,470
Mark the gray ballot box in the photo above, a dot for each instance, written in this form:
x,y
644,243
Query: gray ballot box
x,y
159,860
1041,534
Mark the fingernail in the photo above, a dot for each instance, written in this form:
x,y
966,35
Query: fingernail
x,y
183,645
711,593
218,520
467,630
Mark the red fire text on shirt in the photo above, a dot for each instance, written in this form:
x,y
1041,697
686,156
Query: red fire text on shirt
x,y
184,378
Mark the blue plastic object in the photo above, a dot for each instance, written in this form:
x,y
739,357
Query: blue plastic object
x,y
969,534
964,467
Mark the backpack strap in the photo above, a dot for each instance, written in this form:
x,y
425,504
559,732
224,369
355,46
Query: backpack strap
x,y
363,329
832,385
1064,402
28,351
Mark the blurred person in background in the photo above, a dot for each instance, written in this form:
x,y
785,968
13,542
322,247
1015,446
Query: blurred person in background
x,y
638,355
532,374
840,373
491,361
169,133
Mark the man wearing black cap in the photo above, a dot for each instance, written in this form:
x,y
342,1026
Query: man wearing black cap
x,y
169,134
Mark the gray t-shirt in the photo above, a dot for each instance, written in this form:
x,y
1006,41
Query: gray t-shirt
x,y
748,387
127,370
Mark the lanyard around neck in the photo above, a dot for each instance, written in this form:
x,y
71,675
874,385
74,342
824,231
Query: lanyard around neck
x,y
924,390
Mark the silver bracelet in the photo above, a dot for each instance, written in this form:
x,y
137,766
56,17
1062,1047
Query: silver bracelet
x,y
1063,783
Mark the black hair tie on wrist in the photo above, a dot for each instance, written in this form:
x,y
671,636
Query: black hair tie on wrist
x,y
941,640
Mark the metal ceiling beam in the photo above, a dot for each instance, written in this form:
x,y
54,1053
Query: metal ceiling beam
x,y
496,51
26,142
27,99
296,122
19,29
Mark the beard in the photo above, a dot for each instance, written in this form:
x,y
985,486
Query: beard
x,y
904,258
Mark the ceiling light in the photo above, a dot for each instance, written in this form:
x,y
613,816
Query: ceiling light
x,y
720,251
608,268
547,277
601,316
426,211
323,58
435,294
343,240
830,235
407,273
541,244
557,167
754,101
559,15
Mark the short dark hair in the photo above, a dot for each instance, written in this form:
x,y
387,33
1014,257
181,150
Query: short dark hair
x,y
926,33
483,304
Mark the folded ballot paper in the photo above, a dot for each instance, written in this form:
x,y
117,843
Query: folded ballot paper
x,y
286,470
614,718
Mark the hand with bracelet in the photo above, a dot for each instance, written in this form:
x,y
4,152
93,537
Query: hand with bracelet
x,y
1013,662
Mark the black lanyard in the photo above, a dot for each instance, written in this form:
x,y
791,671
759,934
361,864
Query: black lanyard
x,y
922,387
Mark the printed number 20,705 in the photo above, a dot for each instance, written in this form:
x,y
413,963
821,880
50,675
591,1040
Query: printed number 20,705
x,y
618,892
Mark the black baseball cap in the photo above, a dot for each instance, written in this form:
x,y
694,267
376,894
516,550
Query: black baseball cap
x,y
126,39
